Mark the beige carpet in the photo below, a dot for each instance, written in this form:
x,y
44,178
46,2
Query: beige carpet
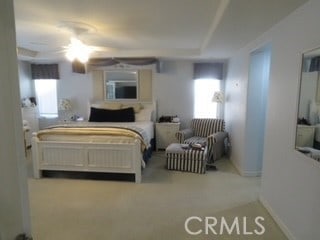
x,y
68,209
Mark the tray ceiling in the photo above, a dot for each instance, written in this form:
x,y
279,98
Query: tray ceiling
x,y
161,28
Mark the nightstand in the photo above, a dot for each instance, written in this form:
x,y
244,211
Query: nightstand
x,y
165,134
305,136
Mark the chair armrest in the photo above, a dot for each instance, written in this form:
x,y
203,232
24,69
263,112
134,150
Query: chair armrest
x,y
184,134
219,136
216,145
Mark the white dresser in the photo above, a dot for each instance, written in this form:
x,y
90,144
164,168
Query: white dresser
x,y
305,136
165,134
30,114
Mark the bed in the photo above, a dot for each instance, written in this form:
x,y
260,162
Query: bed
x,y
108,143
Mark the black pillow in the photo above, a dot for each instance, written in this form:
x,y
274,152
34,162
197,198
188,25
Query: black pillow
x,y
110,115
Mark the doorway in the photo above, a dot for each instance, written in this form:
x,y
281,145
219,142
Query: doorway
x,y
258,85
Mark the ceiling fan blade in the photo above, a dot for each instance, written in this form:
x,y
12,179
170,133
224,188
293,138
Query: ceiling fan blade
x,y
103,49
60,51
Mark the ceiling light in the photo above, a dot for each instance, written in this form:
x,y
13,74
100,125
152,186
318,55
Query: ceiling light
x,y
77,50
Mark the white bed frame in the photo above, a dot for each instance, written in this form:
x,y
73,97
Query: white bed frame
x,y
87,156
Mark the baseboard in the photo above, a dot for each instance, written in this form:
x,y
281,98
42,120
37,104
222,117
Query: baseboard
x,y
236,166
245,173
275,217
251,173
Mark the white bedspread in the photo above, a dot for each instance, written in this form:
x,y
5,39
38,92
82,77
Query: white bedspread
x,y
146,129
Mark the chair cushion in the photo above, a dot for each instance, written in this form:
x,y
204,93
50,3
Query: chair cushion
x,y
192,140
175,148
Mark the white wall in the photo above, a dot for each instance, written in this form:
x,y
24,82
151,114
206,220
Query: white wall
x,y
14,203
290,181
76,87
173,90
235,105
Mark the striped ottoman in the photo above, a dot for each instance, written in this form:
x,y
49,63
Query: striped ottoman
x,y
187,160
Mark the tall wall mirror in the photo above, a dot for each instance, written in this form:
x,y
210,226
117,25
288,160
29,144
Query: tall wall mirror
x,y
121,85
308,119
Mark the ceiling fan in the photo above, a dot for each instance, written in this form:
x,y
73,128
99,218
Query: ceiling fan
x,y
76,49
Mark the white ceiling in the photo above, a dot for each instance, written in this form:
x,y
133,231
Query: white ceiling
x,y
138,28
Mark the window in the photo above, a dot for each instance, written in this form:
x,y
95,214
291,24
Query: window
x,y
203,93
46,92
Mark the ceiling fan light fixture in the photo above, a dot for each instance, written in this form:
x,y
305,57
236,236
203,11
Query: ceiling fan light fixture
x,y
78,50
83,57
70,55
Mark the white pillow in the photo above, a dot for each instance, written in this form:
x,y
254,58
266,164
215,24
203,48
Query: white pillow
x,y
144,115
105,105
136,106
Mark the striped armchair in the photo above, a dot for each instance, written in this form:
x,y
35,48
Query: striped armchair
x,y
206,131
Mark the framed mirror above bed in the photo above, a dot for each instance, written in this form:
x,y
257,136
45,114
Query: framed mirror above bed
x,y
121,85
127,85
308,119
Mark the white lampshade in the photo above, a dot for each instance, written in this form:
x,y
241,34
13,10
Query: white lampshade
x,y
64,104
218,97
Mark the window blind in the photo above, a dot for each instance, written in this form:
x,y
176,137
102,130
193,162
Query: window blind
x,y
45,71
208,70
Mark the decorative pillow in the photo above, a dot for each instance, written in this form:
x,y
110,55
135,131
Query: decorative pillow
x,y
111,115
136,106
103,105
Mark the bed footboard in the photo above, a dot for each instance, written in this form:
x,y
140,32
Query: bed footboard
x,y
87,157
